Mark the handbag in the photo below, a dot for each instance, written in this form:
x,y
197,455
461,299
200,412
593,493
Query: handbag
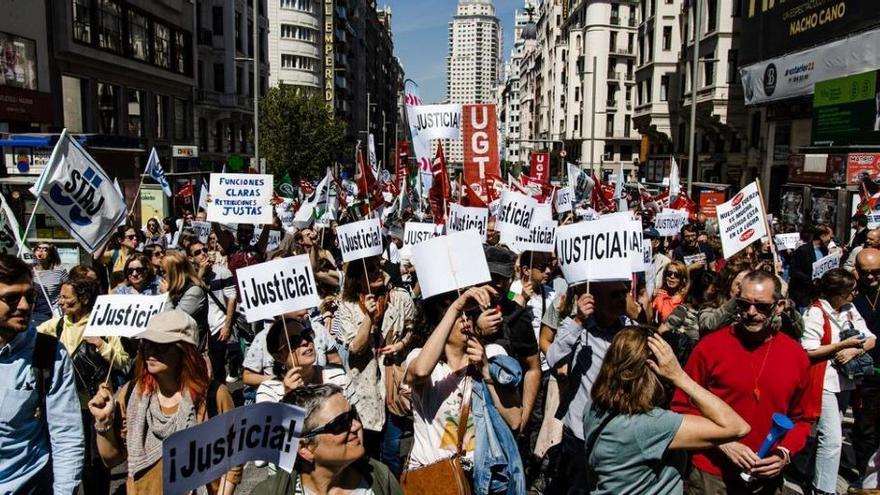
x,y
447,476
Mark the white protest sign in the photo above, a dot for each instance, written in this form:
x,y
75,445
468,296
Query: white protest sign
x,y
360,239
741,220
541,238
564,199
240,198
693,259
277,287
285,213
272,242
594,251
438,121
462,218
515,214
873,220
198,455
203,229
123,315
450,262
650,267
416,232
636,245
825,264
669,222
786,242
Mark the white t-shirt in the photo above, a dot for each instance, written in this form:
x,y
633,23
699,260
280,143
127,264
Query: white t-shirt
x,y
273,390
814,329
222,285
258,358
436,409
538,306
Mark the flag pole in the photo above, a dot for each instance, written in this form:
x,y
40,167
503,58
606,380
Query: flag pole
x,y
27,228
136,195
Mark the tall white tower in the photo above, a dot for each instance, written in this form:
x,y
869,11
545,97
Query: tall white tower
x,y
474,62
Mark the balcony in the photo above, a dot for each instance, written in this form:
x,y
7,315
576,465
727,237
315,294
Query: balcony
x,y
206,37
613,75
611,106
625,51
632,22
615,20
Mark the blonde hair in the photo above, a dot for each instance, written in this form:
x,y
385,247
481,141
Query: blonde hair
x,y
685,277
179,271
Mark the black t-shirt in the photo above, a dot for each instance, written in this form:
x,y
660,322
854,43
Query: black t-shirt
x,y
516,334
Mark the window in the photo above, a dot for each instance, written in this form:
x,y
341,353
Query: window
x,y
179,119
217,20
667,38
608,152
82,24
609,125
304,5
239,73
161,45
291,32
218,136
712,15
709,70
179,53
203,135
250,39
137,36
627,124
110,34
297,62
238,31
219,78
243,133
732,66
108,108
72,96
228,138
649,91
612,41
135,113
161,116
664,88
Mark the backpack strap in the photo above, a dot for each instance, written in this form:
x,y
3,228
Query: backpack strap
x,y
59,328
43,367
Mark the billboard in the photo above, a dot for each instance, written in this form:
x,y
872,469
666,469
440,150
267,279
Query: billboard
x,y
846,110
770,29
18,62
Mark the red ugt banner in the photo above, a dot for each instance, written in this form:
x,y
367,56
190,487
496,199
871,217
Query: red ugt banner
x,y
480,141
540,171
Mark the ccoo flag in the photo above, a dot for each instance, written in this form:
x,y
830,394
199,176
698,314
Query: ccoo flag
x,y
79,194
155,171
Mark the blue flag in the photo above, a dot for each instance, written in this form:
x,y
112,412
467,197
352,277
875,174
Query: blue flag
x,y
155,171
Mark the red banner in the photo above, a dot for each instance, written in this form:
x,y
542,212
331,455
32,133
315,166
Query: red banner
x,y
480,141
400,173
858,163
540,171
709,200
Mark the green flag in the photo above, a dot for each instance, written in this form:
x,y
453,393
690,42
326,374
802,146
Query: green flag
x,y
285,188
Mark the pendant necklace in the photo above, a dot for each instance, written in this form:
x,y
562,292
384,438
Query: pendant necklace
x,y
757,376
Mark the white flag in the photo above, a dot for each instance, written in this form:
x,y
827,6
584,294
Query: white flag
x,y
674,180
371,155
203,196
155,171
619,189
79,194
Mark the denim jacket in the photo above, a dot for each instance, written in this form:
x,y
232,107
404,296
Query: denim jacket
x,y
497,464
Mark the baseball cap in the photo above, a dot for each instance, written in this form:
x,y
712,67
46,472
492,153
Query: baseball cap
x,y
500,260
172,326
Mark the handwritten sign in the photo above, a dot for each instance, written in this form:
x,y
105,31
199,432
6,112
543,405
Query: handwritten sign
x,y
240,198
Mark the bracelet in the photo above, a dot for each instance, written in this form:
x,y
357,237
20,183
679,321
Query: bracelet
x,y
106,429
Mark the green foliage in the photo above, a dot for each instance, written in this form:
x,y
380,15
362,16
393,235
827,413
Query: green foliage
x,y
298,133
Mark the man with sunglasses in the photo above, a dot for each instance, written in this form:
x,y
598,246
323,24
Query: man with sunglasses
x,y
221,307
758,371
866,430
41,434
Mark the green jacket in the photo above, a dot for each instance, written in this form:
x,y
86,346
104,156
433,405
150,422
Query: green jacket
x,y
382,482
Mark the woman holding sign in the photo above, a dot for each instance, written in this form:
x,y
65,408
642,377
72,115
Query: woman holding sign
x,y
170,391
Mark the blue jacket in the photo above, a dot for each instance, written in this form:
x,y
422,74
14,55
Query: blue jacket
x,y
497,464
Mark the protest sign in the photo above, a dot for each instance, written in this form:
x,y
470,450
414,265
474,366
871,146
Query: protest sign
x,y
360,239
462,218
515,214
198,455
650,267
873,220
450,262
825,264
669,222
785,242
480,142
438,121
564,199
277,287
741,220
272,242
636,245
693,259
123,315
285,213
540,167
541,238
594,251
202,229
240,198
416,232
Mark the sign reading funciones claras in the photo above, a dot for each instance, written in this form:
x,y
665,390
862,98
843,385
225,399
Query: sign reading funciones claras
x,y
240,198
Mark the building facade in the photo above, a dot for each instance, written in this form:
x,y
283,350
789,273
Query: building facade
x,y
473,67
509,100
296,43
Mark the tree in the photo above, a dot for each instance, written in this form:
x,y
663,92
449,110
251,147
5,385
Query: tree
x,y
298,133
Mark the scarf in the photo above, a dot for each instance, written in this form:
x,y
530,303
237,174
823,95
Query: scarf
x,y
148,426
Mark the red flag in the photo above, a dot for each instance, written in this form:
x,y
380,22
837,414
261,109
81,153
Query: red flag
x,y
185,191
470,198
603,195
306,187
684,202
341,195
368,186
440,192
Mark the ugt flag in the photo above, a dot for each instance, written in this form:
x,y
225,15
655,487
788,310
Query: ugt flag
x,y
79,194
155,171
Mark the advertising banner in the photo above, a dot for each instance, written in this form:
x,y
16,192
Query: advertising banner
x,y
847,110
858,164
709,200
480,142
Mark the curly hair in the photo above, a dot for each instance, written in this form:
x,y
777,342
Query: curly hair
x,y
85,289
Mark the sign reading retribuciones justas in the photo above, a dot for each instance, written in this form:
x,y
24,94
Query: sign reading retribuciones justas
x,y
360,239
196,456
515,214
669,222
240,198
123,315
202,229
594,251
462,218
825,264
277,287
416,232
564,199
741,220
449,262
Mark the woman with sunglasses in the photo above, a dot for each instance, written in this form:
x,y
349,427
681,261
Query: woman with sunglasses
x,y
186,291
153,234
170,392
375,327
634,445
140,277
92,357
824,322
129,238
673,291
156,253
48,277
331,457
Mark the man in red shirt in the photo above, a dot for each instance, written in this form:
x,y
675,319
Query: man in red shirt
x,y
758,372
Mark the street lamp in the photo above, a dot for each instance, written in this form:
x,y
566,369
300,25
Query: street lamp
x,y
256,82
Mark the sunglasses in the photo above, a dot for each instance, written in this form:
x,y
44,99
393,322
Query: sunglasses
x,y
14,299
338,425
198,252
158,254
41,248
675,275
130,236
148,346
135,269
870,273
762,307
296,341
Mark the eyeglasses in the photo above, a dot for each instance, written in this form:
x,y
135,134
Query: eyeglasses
x,y
338,425
130,236
14,299
197,252
158,254
135,269
870,273
762,307
675,275
41,248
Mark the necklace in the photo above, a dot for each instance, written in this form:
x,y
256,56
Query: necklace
x,y
874,303
757,390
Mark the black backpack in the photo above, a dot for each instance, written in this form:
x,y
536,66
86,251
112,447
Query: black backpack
x,y
43,368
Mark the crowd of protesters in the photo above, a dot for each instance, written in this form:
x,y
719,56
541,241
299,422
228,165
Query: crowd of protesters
x,y
666,383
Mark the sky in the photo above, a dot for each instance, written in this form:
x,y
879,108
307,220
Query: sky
x,y
421,39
